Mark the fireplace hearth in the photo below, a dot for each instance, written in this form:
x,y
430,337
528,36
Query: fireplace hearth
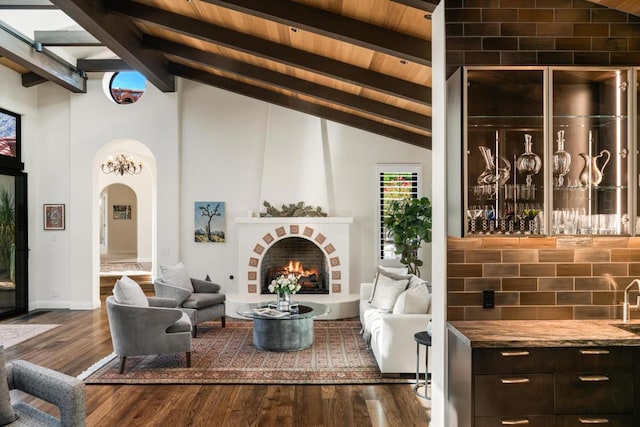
x,y
298,256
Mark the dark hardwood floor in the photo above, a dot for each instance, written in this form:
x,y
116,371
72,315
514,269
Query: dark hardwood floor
x,y
84,339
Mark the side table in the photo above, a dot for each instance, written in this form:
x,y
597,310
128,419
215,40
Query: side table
x,y
422,338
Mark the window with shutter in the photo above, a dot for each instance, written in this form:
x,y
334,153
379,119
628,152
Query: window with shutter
x,y
395,182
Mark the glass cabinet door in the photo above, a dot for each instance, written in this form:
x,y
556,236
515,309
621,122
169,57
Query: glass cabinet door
x,y
505,151
589,154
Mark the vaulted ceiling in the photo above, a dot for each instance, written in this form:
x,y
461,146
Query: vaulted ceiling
x,y
363,63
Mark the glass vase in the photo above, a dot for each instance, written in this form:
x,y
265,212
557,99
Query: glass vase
x,y
283,301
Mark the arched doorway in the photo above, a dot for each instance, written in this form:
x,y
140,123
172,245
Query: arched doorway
x,y
119,225
126,227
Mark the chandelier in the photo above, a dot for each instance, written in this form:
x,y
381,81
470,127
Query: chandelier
x,y
123,163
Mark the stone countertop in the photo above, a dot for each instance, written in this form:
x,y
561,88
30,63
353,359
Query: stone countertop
x,y
545,333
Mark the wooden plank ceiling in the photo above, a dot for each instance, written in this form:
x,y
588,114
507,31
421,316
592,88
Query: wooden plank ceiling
x,y
363,63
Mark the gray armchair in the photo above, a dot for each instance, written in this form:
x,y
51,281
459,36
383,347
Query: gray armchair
x,y
158,329
64,391
205,303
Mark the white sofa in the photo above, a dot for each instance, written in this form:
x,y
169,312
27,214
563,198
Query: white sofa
x,y
390,336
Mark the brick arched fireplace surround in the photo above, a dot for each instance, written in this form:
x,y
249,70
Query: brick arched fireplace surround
x,y
331,234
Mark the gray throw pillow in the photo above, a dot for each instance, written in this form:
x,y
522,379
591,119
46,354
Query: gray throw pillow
x,y
176,276
127,291
382,272
7,414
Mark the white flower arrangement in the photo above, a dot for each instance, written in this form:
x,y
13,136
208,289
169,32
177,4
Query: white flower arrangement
x,y
284,283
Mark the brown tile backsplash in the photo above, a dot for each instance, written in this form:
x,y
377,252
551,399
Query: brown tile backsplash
x,y
501,270
541,278
556,255
519,284
483,256
520,255
537,270
559,32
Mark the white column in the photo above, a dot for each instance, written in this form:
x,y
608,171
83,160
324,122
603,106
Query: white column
x,y
439,232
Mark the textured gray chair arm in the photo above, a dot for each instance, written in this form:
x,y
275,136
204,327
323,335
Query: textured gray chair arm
x,y
204,287
166,290
162,302
64,391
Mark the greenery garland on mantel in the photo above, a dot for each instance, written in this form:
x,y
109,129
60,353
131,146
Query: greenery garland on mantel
x,y
291,210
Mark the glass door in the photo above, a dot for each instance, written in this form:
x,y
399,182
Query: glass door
x,y
13,243
591,151
505,148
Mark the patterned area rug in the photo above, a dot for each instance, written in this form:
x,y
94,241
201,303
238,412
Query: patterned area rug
x,y
227,356
11,335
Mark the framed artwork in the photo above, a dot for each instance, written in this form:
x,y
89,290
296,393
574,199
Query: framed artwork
x,y
209,222
121,211
54,217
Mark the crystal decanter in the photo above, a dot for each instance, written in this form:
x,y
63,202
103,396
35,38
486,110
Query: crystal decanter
x,y
493,173
528,163
561,160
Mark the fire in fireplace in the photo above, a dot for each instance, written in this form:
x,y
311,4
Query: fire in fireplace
x,y
300,257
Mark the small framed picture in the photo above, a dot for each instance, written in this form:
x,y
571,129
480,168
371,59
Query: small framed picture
x,y
53,217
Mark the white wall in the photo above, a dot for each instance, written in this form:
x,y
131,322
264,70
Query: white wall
x,y
122,233
203,144
226,137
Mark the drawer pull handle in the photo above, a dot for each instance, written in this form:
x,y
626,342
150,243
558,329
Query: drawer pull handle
x,y
514,353
514,380
521,422
591,352
593,378
594,421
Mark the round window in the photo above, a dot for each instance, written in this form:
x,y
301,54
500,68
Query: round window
x,y
126,87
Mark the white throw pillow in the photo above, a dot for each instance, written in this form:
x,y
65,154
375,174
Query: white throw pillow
x,y
395,270
415,281
416,300
387,274
387,291
127,291
176,275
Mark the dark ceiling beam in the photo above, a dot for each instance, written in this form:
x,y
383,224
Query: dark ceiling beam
x,y
26,4
273,51
284,81
102,65
20,50
65,38
122,37
428,5
334,26
300,105
32,79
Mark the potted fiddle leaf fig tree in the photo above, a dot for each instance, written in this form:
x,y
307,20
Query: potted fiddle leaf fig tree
x,y
409,224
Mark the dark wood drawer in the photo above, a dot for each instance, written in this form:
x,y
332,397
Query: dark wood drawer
x,y
513,394
513,360
595,393
604,420
526,421
595,359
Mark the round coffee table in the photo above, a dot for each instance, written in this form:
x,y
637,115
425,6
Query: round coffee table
x,y
278,331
